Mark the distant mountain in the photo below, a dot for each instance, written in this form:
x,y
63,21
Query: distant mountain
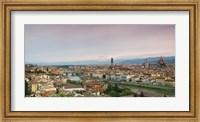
x,y
152,60
89,62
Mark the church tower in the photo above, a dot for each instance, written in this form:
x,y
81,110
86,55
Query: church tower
x,y
146,64
111,61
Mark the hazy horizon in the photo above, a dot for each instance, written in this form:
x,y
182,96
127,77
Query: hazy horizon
x,y
106,62
68,43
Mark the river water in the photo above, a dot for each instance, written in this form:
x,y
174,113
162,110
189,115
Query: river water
x,y
74,78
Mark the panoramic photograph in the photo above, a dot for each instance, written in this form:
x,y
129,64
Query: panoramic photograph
x,y
99,60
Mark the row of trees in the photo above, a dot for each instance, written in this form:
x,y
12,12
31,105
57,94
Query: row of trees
x,y
39,71
63,95
27,89
74,82
115,91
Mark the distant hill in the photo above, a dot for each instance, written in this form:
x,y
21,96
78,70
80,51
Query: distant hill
x,y
152,60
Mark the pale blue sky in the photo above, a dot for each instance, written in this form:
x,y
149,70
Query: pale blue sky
x,y
63,43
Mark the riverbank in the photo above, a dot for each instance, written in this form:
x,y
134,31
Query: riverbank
x,y
150,91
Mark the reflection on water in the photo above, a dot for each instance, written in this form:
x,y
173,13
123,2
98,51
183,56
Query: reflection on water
x,y
74,78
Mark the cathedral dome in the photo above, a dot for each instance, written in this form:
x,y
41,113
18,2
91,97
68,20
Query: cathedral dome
x,y
161,61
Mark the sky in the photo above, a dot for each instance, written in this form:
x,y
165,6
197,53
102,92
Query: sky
x,y
82,42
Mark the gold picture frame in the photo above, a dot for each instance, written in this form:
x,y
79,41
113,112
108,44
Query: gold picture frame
x,y
119,5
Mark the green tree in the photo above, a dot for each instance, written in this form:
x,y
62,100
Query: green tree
x,y
134,95
57,90
27,89
142,94
109,88
116,88
113,93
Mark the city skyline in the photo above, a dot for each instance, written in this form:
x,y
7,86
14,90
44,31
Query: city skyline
x,y
68,43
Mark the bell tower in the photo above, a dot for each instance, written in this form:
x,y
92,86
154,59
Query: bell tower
x,y
111,61
146,64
